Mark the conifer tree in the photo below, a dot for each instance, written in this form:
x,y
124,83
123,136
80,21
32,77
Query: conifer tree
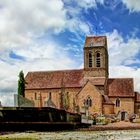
x,y
21,84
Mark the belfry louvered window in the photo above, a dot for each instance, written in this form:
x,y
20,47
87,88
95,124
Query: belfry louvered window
x,y
90,59
98,59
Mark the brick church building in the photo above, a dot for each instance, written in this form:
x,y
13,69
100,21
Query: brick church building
x,y
90,87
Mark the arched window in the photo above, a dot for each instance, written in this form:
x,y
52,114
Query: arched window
x,y
90,59
88,102
98,59
117,102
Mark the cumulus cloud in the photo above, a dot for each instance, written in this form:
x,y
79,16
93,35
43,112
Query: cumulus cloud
x,y
21,20
121,49
132,5
122,54
46,57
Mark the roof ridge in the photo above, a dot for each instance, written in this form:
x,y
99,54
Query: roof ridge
x,y
119,78
95,77
95,36
56,70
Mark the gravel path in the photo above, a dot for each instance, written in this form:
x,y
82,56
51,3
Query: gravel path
x,y
75,135
114,126
83,134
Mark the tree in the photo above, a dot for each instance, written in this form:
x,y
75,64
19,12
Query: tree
x,y
64,97
66,101
21,84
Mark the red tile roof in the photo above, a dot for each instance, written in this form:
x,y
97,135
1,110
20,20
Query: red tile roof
x,y
95,41
95,80
137,97
57,79
120,87
106,100
54,79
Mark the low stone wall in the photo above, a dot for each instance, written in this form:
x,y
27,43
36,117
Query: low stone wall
x,y
34,114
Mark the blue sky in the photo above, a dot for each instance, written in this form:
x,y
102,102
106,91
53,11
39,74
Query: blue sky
x,y
49,35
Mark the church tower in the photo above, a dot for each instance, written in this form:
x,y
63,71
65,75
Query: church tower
x,y
96,57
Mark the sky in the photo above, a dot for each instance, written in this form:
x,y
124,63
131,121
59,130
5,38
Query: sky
x,y
39,35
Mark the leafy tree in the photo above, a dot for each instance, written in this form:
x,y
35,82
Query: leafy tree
x,y
66,101
21,84
64,98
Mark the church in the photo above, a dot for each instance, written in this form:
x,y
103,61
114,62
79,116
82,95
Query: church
x,y
89,88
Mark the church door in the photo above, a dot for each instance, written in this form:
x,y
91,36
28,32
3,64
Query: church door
x,y
122,116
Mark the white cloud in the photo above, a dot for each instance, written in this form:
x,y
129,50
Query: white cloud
x,y
121,54
122,50
132,61
8,82
46,57
78,27
21,20
84,28
7,99
132,5
86,4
